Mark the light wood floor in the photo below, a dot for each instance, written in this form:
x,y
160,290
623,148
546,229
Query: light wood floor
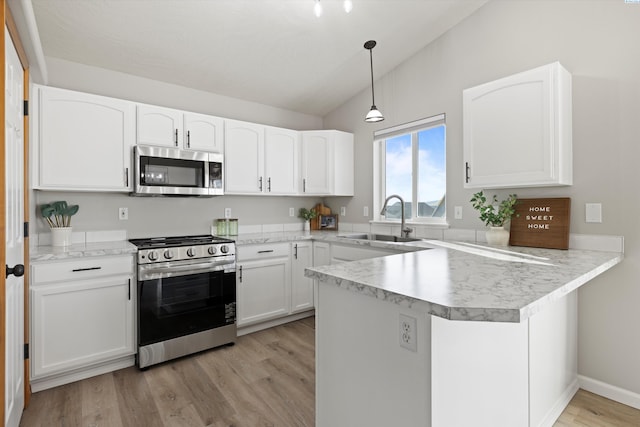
x,y
266,379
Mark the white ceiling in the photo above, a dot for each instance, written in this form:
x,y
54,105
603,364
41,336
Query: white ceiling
x,y
274,52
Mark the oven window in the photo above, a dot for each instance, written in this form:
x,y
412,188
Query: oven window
x,y
158,171
178,306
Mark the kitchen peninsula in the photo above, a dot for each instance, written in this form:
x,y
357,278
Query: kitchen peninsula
x,y
455,335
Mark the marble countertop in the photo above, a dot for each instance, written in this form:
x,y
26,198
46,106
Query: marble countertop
x,y
462,281
81,250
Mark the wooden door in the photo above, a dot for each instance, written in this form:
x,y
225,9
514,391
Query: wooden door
x,y
14,252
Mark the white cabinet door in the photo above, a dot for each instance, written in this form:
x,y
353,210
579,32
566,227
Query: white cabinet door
x,y
203,133
244,153
315,162
321,253
263,289
326,163
281,161
301,286
83,141
78,323
517,130
159,126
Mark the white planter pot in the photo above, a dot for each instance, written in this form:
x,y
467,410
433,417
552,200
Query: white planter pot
x,y
497,236
307,225
61,236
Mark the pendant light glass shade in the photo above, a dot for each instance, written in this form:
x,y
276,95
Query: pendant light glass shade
x,y
374,115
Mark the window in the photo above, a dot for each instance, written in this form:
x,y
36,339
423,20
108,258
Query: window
x,y
410,163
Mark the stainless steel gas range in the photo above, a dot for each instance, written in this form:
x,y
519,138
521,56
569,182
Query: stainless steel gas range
x,y
186,293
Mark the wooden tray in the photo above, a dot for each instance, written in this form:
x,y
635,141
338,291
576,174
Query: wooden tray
x,y
541,223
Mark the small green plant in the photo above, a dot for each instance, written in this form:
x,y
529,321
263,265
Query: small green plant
x,y
58,214
494,213
307,214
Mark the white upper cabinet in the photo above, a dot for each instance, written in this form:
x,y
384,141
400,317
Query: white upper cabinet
x,y
203,133
244,153
260,159
517,130
166,127
82,141
327,163
281,160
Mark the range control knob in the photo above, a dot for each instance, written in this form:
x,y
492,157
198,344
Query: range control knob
x,y
212,250
191,252
153,255
168,254
224,249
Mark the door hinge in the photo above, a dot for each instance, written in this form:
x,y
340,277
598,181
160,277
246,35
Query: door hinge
x,y
26,230
26,107
26,351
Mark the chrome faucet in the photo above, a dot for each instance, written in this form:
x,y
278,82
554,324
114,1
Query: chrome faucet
x,y
404,230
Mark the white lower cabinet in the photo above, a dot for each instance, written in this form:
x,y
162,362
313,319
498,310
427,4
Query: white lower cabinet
x,y
301,287
271,282
82,318
263,277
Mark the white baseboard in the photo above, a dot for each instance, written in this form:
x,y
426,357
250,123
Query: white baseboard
x,y
609,391
244,330
562,402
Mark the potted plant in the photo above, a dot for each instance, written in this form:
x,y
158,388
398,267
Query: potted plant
x,y
58,216
495,214
307,215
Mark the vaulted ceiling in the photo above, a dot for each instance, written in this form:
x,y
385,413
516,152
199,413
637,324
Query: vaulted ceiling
x,y
274,52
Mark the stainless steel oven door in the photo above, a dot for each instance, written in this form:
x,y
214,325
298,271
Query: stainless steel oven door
x,y
179,298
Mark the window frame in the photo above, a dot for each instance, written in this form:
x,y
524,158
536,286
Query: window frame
x,y
379,169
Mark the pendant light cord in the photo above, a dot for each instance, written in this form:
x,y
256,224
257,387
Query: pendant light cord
x,y
373,97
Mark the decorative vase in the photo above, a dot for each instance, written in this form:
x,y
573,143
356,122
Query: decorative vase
x,y
61,236
497,236
307,225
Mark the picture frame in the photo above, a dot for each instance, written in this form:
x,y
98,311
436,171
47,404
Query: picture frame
x,y
328,222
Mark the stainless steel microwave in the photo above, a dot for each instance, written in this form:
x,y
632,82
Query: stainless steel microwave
x,y
161,171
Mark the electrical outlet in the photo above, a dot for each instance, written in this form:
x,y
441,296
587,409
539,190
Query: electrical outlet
x,y
408,332
365,211
292,212
123,213
593,212
457,212
227,212
343,211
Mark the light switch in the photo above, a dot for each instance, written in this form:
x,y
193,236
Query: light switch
x,y
593,212
457,212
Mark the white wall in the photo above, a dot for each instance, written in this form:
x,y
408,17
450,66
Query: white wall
x,y
169,216
597,41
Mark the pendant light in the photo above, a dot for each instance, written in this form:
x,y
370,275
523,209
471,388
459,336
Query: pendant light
x,y
373,115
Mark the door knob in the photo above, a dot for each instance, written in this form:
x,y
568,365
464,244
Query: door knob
x,y
17,271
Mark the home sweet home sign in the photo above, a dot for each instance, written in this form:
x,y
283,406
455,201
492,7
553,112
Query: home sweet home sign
x,y
541,223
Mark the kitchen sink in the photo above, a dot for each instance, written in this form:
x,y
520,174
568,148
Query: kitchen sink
x,y
381,237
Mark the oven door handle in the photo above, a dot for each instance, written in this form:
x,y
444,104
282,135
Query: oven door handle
x,y
182,270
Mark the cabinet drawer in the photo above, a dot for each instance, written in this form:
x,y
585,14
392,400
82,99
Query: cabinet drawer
x,y
262,251
81,269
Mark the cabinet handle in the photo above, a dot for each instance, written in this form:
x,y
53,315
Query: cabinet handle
x,y
295,251
304,185
188,139
126,177
176,138
240,274
85,269
269,184
129,292
466,172
260,183
266,251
